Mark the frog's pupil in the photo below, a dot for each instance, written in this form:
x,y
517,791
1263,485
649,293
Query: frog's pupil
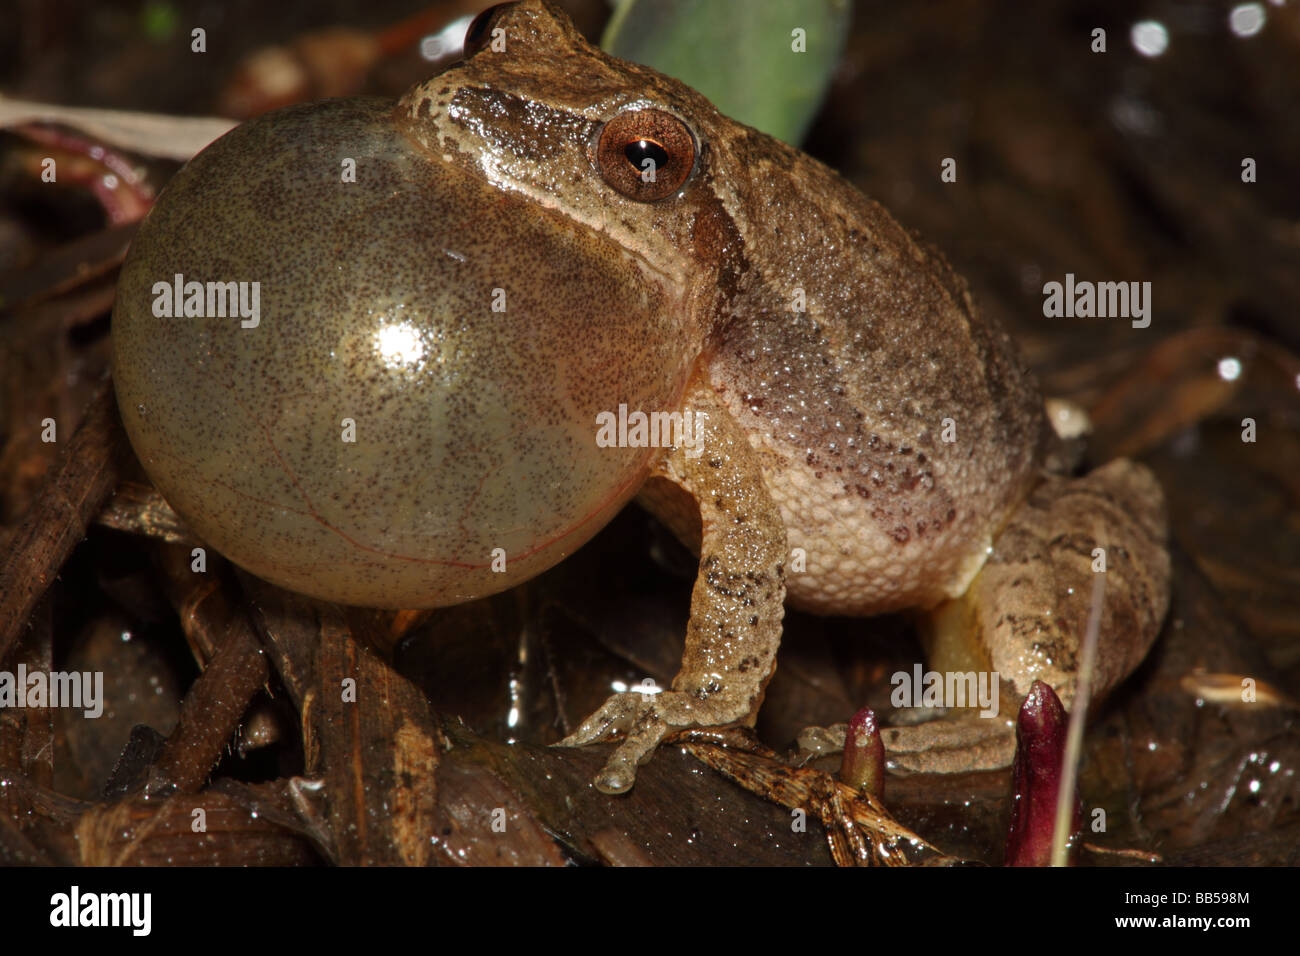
x,y
638,151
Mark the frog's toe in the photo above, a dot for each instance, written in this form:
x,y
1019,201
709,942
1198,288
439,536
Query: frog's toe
x,y
954,744
644,720
814,742
614,717
619,772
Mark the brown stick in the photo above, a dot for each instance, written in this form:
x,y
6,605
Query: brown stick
x,y
211,712
86,473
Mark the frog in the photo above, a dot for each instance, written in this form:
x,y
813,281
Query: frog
x,y
472,300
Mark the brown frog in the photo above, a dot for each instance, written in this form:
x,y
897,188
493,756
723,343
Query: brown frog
x,y
407,355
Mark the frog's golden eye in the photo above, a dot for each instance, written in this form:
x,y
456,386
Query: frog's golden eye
x,y
645,154
479,33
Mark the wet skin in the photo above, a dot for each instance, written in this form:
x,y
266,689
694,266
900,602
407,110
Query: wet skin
x,y
501,273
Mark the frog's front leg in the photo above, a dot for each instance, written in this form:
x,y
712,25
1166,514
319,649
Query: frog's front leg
x,y
736,606
1025,614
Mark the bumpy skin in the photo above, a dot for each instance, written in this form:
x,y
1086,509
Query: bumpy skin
x,y
862,410
844,401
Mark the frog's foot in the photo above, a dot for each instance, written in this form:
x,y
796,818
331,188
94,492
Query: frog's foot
x,y
644,720
960,743
816,742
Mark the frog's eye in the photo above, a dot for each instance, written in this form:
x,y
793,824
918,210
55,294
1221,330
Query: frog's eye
x,y
645,154
479,33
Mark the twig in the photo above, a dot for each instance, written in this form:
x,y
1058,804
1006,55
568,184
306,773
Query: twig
x,y
90,467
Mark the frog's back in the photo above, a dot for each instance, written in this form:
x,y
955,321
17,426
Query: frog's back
x,y
897,426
